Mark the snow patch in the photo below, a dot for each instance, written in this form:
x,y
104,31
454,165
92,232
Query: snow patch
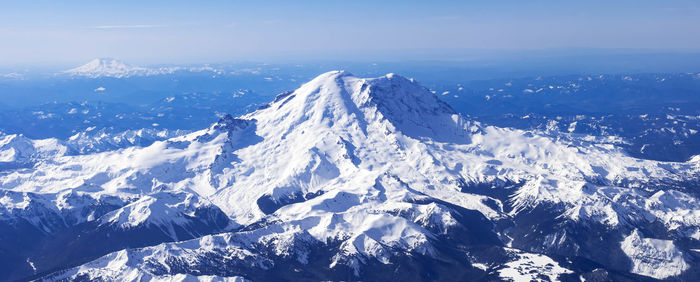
x,y
529,267
653,257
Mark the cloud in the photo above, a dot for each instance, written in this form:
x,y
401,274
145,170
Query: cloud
x,y
131,26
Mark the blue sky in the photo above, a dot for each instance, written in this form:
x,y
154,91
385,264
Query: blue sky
x,y
67,32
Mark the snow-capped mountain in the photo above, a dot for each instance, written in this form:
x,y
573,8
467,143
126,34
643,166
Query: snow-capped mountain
x,y
108,67
17,151
349,178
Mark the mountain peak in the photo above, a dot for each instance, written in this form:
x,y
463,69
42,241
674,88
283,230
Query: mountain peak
x,y
383,89
106,67
101,63
110,67
339,100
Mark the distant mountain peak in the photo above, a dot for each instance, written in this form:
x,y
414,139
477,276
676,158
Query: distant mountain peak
x,y
107,67
110,67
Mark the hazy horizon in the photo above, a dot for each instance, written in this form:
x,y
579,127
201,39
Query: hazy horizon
x,y
496,63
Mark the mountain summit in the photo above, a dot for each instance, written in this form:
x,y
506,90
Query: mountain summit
x,y
106,67
339,101
350,177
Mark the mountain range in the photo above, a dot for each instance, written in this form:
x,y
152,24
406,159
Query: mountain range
x,y
108,67
349,178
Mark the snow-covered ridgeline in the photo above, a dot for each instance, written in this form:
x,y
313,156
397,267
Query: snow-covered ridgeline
x,y
18,151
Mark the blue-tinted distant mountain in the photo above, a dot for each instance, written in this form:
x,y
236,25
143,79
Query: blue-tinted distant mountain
x,y
115,82
182,111
108,67
658,115
582,94
667,137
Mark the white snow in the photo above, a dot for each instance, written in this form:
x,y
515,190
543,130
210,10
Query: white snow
x,y
164,210
31,264
528,267
18,149
653,257
480,266
108,67
118,267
